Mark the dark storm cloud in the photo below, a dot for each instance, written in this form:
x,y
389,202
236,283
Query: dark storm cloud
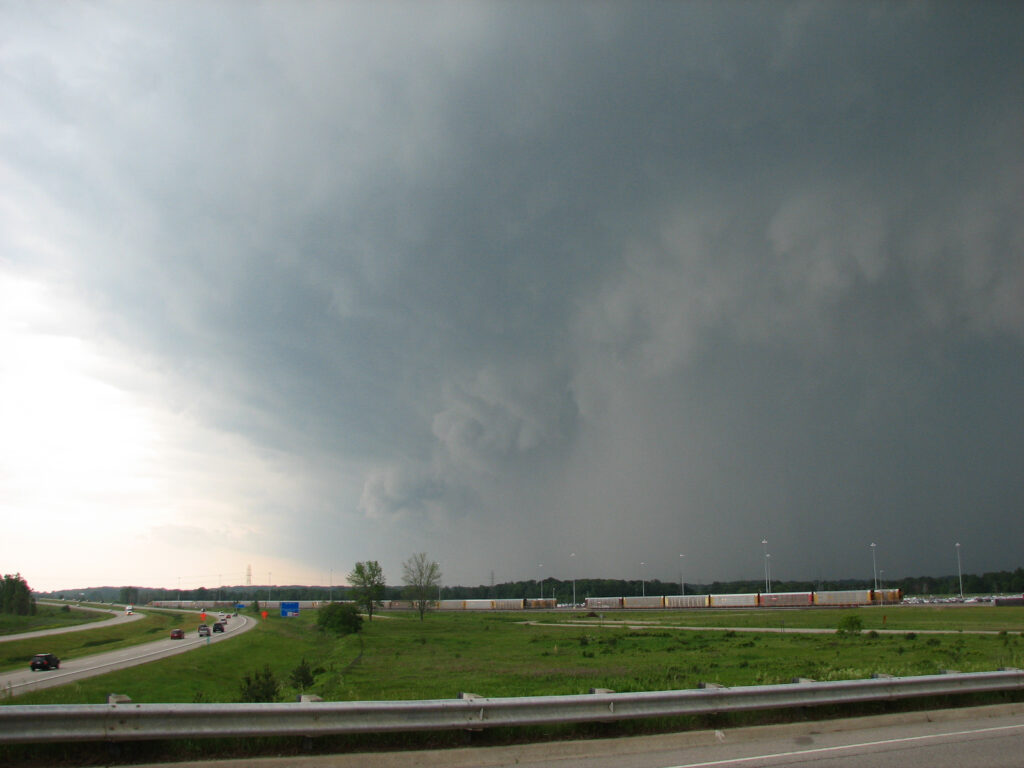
x,y
625,280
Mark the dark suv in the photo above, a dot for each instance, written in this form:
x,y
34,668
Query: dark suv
x,y
218,627
44,661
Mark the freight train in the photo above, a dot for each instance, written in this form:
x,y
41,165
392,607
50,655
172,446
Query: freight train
x,y
834,599
841,598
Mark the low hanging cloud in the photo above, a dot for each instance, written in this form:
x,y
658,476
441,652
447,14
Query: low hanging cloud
x,y
509,283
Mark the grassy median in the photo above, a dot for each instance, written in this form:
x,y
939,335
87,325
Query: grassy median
x,y
48,617
15,654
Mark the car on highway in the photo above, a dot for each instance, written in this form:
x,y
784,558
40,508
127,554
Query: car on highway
x,y
204,630
218,627
44,661
177,634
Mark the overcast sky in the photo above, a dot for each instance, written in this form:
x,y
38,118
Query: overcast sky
x,y
543,289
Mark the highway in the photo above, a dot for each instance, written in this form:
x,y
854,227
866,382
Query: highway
x,y
981,737
14,682
117,617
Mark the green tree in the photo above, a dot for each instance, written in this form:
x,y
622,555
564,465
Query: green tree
x,y
851,624
340,618
260,686
302,676
421,576
15,596
367,580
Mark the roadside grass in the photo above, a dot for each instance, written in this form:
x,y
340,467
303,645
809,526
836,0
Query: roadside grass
x,y
501,656
399,657
47,617
891,617
155,625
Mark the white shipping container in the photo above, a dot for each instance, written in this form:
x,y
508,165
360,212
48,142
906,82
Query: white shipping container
x,y
771,599
603,603
686,601
843,597
734,601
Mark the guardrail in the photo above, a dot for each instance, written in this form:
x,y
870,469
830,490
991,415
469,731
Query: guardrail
x,y
129,721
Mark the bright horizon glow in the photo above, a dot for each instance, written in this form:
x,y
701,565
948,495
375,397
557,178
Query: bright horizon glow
x,y
89,469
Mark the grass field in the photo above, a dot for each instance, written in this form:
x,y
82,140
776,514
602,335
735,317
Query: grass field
x,y
942,618
399,657
47,617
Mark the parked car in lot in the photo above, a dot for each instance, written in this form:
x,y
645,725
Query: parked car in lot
x,y
218,627
177,634
204,630
44,661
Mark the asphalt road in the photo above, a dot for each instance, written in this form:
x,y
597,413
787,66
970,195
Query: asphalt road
x,y
15,682
981,737
117,617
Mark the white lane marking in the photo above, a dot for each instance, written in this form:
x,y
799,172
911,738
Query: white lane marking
x,y
846,747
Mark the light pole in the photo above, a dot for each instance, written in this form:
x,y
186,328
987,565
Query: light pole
x,y
874,565
643,579
572,560
767,578
959,573
682,587
768,562
540,577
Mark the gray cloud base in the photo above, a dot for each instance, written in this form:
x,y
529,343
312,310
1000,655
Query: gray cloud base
x,y
513,281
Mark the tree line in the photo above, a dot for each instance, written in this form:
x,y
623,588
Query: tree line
x,y
16,596
996,582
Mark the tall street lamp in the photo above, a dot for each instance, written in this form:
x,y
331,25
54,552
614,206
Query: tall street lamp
x,y
959,573
571,565
682,587
643,579
874,565
540,576
767,578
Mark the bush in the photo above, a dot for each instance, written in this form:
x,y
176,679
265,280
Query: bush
x,y
261,686
850,625
340,618
302,676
